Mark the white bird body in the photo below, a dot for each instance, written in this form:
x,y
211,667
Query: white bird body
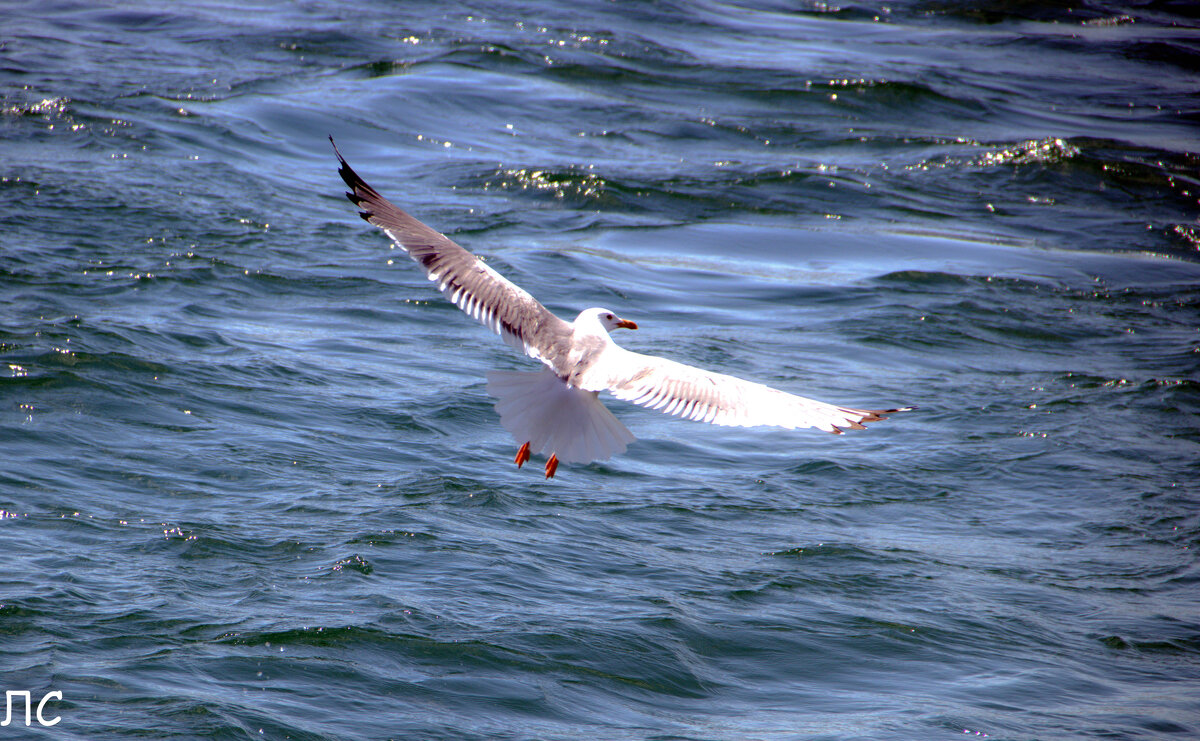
x,y
557,409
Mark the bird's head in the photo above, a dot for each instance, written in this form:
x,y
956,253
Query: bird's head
x,y
604,318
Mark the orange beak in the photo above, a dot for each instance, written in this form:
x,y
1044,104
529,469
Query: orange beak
x,y
626,324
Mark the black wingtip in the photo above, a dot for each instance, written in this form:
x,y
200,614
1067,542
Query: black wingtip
x,y
348,174
358,186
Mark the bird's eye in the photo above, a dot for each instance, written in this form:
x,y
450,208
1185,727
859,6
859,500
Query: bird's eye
x,y
608,316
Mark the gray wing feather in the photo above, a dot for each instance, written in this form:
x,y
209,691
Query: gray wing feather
x,y
694,393
477,289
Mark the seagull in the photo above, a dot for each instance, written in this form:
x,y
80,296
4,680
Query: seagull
x,y
557,408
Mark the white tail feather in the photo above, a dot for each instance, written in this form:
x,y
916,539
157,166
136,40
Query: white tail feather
x,y
569,422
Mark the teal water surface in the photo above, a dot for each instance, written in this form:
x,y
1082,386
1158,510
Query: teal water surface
x,y
253,485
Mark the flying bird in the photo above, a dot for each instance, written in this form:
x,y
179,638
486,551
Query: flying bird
x,y
557,409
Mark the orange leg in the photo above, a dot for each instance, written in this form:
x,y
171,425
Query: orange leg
x,y
551,466
522,455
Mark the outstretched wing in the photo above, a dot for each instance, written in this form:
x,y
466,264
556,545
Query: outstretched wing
x,y
704,396
499,304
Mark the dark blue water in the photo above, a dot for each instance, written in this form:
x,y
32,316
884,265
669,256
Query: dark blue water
x,y
252,486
